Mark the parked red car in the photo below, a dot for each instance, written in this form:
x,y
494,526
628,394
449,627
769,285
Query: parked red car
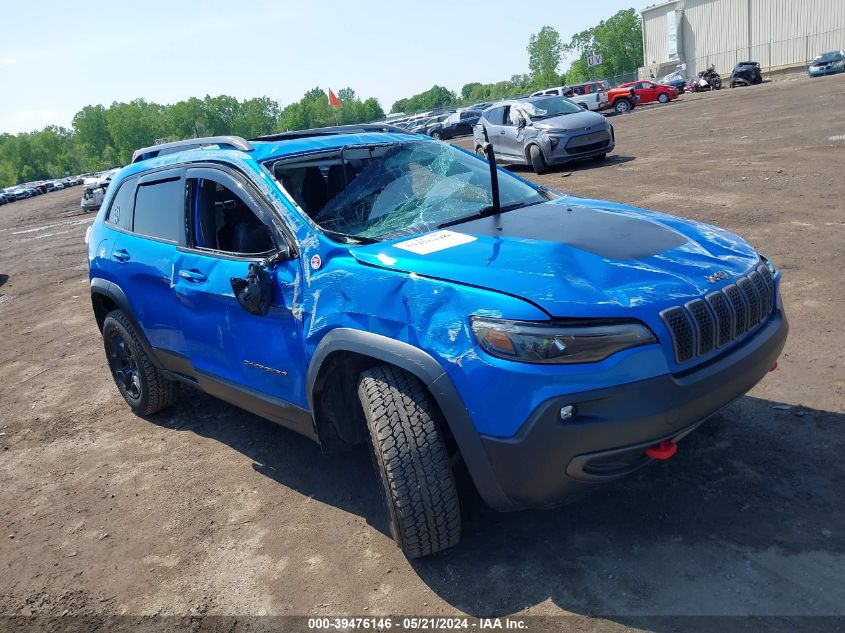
x,y
650,92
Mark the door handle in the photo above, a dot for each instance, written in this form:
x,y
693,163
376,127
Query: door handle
x,y
121,255
194,276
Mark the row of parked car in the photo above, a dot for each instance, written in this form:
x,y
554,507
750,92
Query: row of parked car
x,y
32,189
547,127
749,73
596,96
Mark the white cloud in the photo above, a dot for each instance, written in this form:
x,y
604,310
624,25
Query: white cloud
x,y
8,61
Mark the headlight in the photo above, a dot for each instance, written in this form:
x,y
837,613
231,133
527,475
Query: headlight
x,y
549,343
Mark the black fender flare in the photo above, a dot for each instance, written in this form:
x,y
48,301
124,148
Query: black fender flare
x,y
114,292
428,370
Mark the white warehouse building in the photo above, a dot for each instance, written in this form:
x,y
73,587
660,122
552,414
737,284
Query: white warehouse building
x,y
776,33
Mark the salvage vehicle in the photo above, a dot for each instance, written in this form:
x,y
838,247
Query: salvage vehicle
x,y
827,64
705,81
650,92
456,124
622,100
368,287
746,74
580,94
677,80
94,190
419,127
543,131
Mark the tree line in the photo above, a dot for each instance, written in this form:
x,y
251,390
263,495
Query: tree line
x,y
619,40
103,137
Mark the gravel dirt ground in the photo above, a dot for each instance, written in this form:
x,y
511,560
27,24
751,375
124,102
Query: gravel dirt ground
x,y
206,509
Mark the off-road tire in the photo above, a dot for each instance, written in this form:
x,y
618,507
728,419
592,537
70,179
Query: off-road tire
x,y
538,163
410,455
156,393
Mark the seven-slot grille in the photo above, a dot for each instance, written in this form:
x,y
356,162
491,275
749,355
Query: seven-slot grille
x,y
703,325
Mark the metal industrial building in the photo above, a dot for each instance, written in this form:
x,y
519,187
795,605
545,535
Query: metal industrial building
x,y
776,33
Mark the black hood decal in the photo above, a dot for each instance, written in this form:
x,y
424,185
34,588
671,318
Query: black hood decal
x,y
604,233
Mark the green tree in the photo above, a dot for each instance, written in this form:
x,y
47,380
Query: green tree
x,y
219,114
256,117
346,94
467,90
619,40
133,125
92,132
184,119
544,51
372,110
434,97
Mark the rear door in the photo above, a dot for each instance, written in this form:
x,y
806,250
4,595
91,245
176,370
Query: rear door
x,y
152,223
234,353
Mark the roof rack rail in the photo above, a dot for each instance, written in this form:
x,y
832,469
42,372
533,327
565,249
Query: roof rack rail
x,y
225,142
329,131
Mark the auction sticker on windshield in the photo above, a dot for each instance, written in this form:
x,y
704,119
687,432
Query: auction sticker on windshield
x,y
433,242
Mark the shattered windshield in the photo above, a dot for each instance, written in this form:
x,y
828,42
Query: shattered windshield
x,y
549,107
392,190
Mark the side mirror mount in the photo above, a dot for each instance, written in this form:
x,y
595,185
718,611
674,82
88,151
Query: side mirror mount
x,y
283,254
255,293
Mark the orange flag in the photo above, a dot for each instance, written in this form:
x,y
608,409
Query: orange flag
x,y
333,100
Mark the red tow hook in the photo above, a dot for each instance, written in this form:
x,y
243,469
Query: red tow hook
x,y
663,451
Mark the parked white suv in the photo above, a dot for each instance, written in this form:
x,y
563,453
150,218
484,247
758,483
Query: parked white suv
x,y
94,190
581,94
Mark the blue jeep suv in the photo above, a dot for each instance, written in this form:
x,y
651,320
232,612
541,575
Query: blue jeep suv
x,y
366,286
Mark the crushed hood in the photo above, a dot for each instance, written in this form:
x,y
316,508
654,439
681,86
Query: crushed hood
x,y
576,121
575,257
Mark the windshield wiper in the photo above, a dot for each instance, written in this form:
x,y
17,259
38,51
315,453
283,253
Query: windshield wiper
x,y
488,211
356,239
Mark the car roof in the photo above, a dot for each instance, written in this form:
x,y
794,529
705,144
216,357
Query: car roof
x,y
277,146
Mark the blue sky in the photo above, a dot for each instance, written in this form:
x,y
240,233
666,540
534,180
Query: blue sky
x,y
57,56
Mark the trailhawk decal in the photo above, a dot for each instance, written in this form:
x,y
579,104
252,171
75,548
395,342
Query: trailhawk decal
x,y
433,242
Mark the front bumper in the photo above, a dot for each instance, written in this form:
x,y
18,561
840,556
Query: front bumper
x,y
579,147
550,462
824,71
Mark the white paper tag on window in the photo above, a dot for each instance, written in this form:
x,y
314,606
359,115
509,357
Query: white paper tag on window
x,y
433,242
